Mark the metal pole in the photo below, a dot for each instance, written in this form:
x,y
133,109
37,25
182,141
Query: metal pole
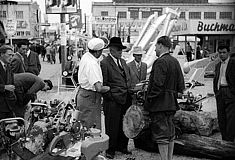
x,y
63,50
85,21
11,40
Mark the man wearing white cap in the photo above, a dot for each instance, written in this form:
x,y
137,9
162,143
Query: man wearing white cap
x,y
88,99
138,69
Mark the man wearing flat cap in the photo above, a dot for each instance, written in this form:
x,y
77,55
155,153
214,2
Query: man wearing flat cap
x,y
116,75
138,69
88,98
7,96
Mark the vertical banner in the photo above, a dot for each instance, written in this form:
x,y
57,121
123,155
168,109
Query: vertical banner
x,y
75,20
63,34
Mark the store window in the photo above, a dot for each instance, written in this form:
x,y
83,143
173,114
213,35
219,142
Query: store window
x,y
182,15
104,13
225,15
146,14
27,33
194,15
3,14
122,15
209,15
19,14
134,14
18,33
22,33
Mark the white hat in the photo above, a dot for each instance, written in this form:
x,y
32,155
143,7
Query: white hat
x,y
138,50
96,44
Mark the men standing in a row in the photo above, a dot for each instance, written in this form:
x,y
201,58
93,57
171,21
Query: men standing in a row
x,y
116,75
166,83
88,99
7,96
138,69
17,63
224,88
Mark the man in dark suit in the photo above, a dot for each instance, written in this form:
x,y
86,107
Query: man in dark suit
x,y
7,96
27,85
166,83
32,63
224,88
138,69
116,75
17,63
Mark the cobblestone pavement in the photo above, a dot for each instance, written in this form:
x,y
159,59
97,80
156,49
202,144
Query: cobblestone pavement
x,y
53,71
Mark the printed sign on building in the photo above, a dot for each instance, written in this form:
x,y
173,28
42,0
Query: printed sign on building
x,y
61,6
10,26
105,20
75,20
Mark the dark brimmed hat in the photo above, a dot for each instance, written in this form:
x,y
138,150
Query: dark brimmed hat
x,y
116,41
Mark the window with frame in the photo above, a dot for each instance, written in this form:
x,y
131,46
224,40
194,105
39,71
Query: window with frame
x,y
104,13
194,15
27,33
225,15
134,14
18,33
22,33
159,13
182,15
146,14
122,15
209,15
3,14
19,14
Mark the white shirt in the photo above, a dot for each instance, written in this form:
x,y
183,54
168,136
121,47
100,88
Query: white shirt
x,y
137,64
3,64
163,54
27,53
89,72
223,69
115,60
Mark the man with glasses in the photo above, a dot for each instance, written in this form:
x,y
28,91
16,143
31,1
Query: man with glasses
x,y
7,96
116,75
224,88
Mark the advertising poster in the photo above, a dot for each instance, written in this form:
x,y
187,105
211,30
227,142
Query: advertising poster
x,y
60,6
75,20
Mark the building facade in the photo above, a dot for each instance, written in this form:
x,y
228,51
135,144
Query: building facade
x,y
212,23
27,17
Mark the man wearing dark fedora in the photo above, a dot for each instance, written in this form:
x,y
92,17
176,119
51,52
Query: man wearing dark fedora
x,y
116,75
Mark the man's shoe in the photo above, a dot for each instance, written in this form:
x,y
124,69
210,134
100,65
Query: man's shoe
x,y
109,155
124,151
